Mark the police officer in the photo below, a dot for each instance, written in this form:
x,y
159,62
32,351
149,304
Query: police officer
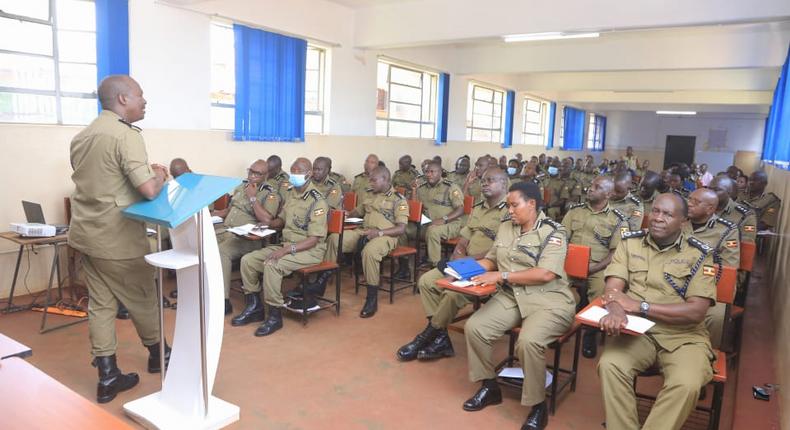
x,y
385,214
597,225
514,171
405,175
472,186
527,263
765,205
361,183
303,220
627,203
277,178
331,190
631,161
458,176
111,172
443,203
441,305
338,178
648,189
255,202
670,279
676,185
554,184
742,215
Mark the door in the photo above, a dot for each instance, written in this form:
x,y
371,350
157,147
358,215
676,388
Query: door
x,y
679,149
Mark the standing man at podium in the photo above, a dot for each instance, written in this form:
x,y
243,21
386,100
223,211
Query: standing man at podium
x,y
111,172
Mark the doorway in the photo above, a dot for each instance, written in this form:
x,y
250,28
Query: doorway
x,y
679,149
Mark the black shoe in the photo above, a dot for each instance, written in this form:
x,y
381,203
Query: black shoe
x,y
272,324
409,351
154,366
165,302
538,418
111,380
485,396
440,347
174,294
228,307
404,271
122,314
589,344
253,312
371,302
318,287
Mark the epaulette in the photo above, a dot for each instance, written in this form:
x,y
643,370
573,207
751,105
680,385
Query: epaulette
x,y
130,125
388,193
331,181
447,182
265,186
422,184
359,175
620,214
576,205
554,224
399,195
744,210
630,234
726,222
501,205
506,217
696,243
480,203
316,194
368,190
635,199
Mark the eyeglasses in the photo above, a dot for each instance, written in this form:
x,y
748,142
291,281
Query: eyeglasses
x,y
251,172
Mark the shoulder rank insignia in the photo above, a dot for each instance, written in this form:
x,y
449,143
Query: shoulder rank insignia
x,y
368,190
554,224
314,194
359,175
744,210
726,222
501,205
265,186
447,181
620,214
399,195
330,181
635,199
702,246
632,234
480,203
506,217
577,205
130,125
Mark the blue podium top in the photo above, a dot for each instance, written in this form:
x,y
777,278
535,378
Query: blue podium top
x,y
181,198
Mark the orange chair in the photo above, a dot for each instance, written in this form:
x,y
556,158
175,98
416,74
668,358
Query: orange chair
x,y
222,202
449,244
546,196
748,251
645,222
577,261
349,201
335,225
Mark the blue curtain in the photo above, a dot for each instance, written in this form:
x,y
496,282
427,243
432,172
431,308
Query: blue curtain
x,y
510,102
442,108
552,118
270,80
573,131
776,144
112,39
600,130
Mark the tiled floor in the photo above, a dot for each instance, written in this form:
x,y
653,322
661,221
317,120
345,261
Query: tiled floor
x,y
341,372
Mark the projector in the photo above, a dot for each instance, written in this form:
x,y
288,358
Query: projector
x,y
31,229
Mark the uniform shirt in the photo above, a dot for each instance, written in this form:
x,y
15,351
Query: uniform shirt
x,y
441,199
404,179
476,191
632,207
744,217
648,270
555,186
544,246
482,226
682,192
279,182
241,211
567,192
361,187
109,162
599,230
332,192
305,214
341,180
457,178
630,162
648,203
384,210
766,207
721,236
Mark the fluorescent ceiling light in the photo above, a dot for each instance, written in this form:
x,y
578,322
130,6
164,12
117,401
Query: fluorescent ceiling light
x,y
675,112
553,35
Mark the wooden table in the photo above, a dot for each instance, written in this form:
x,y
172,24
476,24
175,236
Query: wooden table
x,y
11,348
33,399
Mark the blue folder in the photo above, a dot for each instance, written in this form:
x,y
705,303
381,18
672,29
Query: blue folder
x,y
466,267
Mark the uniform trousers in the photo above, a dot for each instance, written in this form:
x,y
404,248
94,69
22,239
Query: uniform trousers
x,y
254,264
440,305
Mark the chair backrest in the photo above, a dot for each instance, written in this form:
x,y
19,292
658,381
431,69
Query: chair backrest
x,y
644,221
222,202
67,207
415,211
748,250
469,201
577,261
336,220
349,201
725,288
546,196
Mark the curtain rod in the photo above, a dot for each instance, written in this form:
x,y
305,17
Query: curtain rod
x,y
323,43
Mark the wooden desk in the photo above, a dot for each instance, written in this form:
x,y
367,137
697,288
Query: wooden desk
x,y
11,348
33,399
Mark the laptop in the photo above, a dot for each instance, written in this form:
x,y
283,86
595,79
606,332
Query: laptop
x,y
35,214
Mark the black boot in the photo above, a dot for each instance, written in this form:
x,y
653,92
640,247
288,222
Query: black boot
x,y
538,418
404,272
318,288
371,302
488,394
409,351
440,347
590,344
272,324
122,314
174,294
111,380
165,302
228,307
154,366
253,312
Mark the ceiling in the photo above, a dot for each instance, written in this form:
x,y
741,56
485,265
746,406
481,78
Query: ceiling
x,y
359,4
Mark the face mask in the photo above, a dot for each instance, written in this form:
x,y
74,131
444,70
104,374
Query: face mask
x,y
297,180
511,171
553,171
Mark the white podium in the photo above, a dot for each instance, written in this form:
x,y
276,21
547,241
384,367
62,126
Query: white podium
x,y
185,401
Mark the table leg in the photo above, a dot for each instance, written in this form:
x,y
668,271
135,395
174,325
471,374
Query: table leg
x,y
13,283
55,269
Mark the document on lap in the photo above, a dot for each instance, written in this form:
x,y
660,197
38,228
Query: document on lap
x,y
244,230
635,325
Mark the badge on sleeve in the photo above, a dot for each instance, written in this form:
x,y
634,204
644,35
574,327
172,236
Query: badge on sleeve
x,y
708,271
456,193
403,207
555,241
623,230
334,191
771,210
318,212
270,197
636,213
731,244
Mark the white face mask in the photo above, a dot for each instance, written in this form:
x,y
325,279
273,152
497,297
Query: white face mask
x,y
297,180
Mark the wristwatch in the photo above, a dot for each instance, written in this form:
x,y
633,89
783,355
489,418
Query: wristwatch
x,y
445,218
381,233
504,276
643,308
252,200
293,249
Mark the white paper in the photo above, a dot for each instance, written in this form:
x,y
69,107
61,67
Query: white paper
x,y
766,233
462,284
424,220
243,230
518,373
634,323
216,219
450,271
353,220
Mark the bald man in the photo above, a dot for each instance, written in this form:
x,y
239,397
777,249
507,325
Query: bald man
x,y
179,166
740,214
361,185
648,189
627,203
111,172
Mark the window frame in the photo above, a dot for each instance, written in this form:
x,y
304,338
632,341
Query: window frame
x,y
432,99
593,138
544,121
321,71
470,119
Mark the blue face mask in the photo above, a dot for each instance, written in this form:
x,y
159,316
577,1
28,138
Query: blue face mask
x,y
553,171
511,171
297,180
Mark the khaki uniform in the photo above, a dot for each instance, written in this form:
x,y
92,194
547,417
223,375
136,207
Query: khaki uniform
x,y
457,178
332,192
404,179
233,247
630,162
379,211
340,179
110,161
600,231
632,206
555,186
682,192
742,197
544,312
480,230
683,352
567,193
305,215
476,191
647,204
439,201
743,217
361,187
766,207
279,182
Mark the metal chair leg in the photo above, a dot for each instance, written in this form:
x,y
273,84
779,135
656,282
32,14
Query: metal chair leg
x,y
555,373
575,369
392,278
337,292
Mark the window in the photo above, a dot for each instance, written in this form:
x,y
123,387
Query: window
x,y
485,114
405,101
535,128
595,130
223,81
48,61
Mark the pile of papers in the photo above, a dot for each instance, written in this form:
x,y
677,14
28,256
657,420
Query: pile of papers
x,y
244,230
593,315
518,373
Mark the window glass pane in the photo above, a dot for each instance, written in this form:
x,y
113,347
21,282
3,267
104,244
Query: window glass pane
x,y
482,107
498,109
223,118
495,136
78,111
533,105
532,128
311,101
223,68
531,139
78,78
381,127
428,131
484,135
405,94
72,46
27,108
22,71
25,37
313,123
406,77
311,80
498,97
381,103
38,9
481,93
482,121
381,79
76,15
407,112
312,58
404,129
